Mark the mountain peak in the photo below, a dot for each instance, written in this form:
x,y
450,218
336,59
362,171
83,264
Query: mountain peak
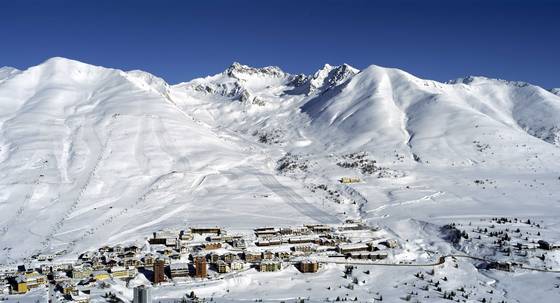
x,y
330,75
555,91
238,70
61,61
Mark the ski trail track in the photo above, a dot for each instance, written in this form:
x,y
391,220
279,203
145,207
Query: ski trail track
x,y
102,150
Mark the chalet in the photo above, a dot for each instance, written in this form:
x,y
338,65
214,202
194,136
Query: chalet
x,y
97,263
236,265
168,251
390,243
347,180
206,230
321,229
308,266
62,266
81,272
148,259
283,255
348,248
265,231
367,255
286,231
212,245
270,265
164,237
8,270
111,263
222,267
262,243
252,257
230,257
179,270
267,255
132,248
294,231
184,249
238,243
213,257
131,262
59,276
45,257
229,238
269,242
185,235
118,249
305,248
303,239
327,242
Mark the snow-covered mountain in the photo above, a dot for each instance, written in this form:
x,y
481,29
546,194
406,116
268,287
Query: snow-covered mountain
x,y
6,72
91,155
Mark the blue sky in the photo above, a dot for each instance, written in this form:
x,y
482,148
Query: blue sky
x,y
180,40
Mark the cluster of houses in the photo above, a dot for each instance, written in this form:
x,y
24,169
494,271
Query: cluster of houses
x,y
197,253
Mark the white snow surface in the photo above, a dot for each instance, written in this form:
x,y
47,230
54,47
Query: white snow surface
x,y
92,155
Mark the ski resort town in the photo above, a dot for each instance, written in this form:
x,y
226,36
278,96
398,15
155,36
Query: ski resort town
x,y
197,254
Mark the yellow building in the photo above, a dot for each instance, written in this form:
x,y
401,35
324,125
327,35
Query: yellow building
x,y
346,180
101,275
119,272
28,281
20,284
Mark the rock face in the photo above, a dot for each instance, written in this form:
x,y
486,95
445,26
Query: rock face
x,y
237,70
330,76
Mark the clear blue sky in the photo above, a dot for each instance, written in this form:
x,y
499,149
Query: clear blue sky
x,y
180,40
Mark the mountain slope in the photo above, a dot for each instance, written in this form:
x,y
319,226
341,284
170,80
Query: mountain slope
x,y
91,155
382,108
